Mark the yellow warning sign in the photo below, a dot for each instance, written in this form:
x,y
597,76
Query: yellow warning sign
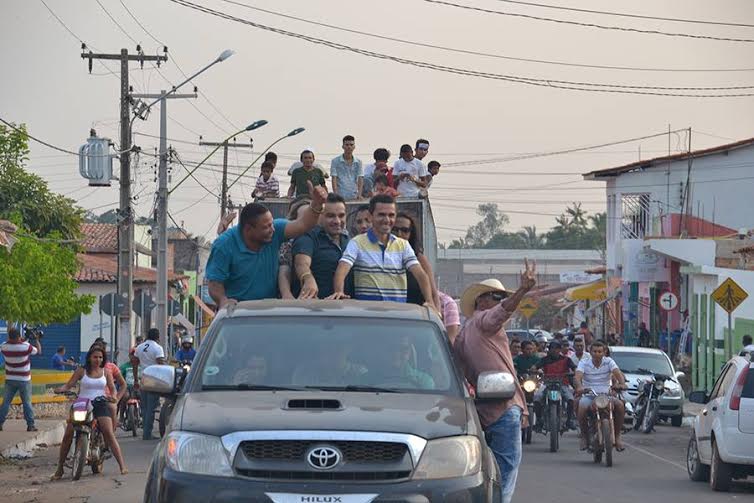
x,y
528,307
729,295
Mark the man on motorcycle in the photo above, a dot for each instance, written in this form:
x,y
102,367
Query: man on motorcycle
x,y
555,365
600,374
527,359
187,351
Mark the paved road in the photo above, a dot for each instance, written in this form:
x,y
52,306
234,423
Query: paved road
x,y
651,470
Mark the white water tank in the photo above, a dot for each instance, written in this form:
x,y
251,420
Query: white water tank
x,y
95,161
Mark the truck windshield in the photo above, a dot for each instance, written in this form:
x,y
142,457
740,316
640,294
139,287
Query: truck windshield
x,y
338,354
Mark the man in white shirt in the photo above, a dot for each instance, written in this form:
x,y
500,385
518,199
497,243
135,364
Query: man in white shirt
x,y
579,351
17,353
748,346
411,173
148,353
600,374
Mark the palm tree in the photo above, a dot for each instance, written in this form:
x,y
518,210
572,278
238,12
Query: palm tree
x,y
530,238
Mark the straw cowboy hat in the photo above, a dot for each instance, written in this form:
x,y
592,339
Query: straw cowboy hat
x,y
468,299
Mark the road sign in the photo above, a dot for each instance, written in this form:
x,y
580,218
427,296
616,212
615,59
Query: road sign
x,y
729,295
528,307
143,304
112,304
668,301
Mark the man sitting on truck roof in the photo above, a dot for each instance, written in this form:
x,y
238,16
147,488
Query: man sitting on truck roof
x,y
243,263
380,260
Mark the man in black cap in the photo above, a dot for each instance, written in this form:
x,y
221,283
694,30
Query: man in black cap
x,y
556,366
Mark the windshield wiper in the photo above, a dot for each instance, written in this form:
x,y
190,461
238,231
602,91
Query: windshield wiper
x,y
356,388
250,387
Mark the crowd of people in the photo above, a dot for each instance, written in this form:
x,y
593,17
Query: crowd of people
x,y
350,177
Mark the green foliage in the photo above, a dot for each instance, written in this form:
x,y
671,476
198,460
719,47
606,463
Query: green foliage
x,y
37,283
37,276
574,230
26,196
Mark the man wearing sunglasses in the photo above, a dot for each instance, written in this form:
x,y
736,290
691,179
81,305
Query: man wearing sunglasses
x,y
483,346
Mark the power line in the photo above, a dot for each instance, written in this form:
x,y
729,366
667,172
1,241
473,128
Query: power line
x,y
623,14
479,53
116,22
591,25
565,85
178,158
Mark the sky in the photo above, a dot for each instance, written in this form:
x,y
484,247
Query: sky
x,y
291,83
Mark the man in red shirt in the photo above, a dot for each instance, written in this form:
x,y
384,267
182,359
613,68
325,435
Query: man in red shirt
x,y
17,352
555,365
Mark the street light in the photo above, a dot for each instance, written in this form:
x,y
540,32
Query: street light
x,y
296,131
251,127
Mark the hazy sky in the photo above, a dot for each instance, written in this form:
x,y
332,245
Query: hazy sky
x,y
292,83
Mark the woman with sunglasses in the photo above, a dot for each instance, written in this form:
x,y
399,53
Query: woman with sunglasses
x,y
405,228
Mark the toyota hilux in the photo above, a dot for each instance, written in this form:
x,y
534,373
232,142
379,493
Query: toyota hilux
x,y
324,401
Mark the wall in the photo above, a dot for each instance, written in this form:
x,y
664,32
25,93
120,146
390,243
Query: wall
x,y
92,323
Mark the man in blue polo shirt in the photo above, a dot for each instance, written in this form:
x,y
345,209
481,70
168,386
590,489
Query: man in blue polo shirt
x,y
243,263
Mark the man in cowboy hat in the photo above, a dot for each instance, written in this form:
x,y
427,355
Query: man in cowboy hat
x,y
483,346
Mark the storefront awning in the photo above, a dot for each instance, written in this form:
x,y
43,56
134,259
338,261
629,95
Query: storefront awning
x,y
595,291
593,307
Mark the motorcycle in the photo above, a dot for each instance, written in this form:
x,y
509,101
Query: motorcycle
x,y
169,401
601,431
88,443
554,411
131,419
648,403
529,383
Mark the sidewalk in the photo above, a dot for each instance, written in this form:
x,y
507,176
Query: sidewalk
x,y
16,442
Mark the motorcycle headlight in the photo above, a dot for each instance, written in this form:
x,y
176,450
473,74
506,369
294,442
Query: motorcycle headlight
x,y
602,401
79,416
529,385
451,457
196,453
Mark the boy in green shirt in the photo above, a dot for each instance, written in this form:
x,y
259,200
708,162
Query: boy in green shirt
x,y
527,359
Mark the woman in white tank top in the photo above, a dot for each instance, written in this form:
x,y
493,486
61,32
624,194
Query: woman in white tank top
x,y
93,379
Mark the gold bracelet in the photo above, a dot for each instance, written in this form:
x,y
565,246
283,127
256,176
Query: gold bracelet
x,y
321,210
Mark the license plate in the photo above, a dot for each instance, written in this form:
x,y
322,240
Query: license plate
x,y
321,498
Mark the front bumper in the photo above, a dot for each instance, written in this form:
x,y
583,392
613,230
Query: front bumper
x,y
177,487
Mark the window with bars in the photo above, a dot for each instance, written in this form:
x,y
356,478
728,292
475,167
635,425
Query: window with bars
x,y
635,215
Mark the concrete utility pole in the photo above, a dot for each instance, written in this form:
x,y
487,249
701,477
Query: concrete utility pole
x,y
225,145
162,212
125,212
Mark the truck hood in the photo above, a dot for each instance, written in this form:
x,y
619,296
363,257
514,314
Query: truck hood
x,y
222,412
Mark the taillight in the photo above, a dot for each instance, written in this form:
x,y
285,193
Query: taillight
x,y
735,397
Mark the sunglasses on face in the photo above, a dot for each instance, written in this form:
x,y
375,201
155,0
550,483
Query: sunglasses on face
x,y
496,296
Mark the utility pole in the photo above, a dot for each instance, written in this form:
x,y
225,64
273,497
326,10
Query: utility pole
x,y
162,213
125,213
225,145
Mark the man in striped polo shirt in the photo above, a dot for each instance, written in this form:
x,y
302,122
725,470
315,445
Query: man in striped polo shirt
x,y
380,260
18,375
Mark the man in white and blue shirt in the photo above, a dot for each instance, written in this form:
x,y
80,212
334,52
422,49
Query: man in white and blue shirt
x,y
347,172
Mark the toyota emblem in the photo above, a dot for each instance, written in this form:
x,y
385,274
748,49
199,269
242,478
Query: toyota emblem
x,y
324,458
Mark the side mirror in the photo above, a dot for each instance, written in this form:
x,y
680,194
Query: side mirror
x,y
698,397
159,379
497,385
679,375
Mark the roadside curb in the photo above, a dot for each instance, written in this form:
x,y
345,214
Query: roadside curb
x,y
25,448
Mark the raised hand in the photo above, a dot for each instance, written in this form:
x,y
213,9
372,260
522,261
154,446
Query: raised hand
x,y
529,275
318,195
225,222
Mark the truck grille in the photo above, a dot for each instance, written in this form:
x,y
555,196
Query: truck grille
x,y
340,476
353,451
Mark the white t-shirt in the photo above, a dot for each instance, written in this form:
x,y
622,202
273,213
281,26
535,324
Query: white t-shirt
x,y
148,352
749,349
415,168
576,360
597,379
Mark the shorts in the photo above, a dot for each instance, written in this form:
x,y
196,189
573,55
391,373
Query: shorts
x,y
101,408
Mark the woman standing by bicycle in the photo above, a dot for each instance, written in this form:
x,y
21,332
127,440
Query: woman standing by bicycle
x,y
94,380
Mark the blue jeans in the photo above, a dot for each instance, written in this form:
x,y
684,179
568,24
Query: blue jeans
x,y
504,438
149,402
23,388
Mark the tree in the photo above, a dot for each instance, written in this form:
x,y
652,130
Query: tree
x,y
479,234
530,238
37,282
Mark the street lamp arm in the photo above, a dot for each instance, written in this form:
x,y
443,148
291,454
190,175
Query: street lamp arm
x,y
292,133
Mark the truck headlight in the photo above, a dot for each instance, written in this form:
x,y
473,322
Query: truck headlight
x,y
79,416
673,391
451,457
196,453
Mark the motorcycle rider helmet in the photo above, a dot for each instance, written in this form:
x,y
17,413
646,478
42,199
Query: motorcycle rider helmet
x,y
540,337
187,339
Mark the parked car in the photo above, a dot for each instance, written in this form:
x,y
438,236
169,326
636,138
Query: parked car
x,y
639,364
721,447
324,401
